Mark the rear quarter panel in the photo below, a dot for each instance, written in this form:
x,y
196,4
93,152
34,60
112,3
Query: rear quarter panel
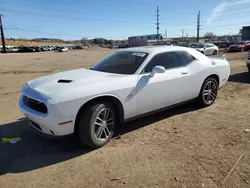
x,y
222,68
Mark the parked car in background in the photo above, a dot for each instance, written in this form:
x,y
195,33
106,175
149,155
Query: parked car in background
x,y
127,84
222,44
63,49
239,46
36,48
44,48
25,49
78,47
13,49
49,48
193,45
184,44
207,48
248,61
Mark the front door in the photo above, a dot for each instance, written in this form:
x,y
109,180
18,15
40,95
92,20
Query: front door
x,y
163,89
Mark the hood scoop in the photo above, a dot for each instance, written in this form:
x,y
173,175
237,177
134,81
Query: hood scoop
x,y
64,81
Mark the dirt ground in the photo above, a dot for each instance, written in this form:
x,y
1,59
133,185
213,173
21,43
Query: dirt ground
x,y
180,148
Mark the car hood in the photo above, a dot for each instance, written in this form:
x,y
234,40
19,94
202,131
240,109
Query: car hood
x,y
63,82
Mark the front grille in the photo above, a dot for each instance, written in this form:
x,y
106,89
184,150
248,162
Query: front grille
x,y
36,125
35,105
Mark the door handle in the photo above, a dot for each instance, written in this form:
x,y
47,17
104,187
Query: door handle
x,y
183,72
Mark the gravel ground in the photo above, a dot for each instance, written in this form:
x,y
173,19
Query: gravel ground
x,y
181,147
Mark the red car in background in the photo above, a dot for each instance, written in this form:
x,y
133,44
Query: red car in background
x,y
239,46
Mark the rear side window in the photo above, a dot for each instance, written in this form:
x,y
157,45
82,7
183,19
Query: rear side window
x,y
169,60
185,58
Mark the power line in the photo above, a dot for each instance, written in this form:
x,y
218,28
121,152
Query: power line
x,y
2,34
64,16
57,34
141,22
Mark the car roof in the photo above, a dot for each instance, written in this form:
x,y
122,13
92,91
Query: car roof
x,y
157,49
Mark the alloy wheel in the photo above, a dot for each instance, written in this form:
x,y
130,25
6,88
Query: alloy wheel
x,y
210,92
103,124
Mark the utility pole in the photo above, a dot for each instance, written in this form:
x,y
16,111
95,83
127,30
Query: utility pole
x,y
166,33
198,26
2,34
182,33
157,23
187,36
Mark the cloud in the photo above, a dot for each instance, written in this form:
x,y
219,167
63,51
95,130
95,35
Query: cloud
x,y
222,7
217,11
239,2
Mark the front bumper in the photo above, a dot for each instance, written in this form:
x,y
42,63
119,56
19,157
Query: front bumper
x,y
50,123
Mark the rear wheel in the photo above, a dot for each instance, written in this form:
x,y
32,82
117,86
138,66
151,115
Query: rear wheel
x,y
215,52
97,124
208,92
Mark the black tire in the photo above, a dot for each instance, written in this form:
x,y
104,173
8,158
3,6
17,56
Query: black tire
x,y
87,125
203,98
215,52
248,69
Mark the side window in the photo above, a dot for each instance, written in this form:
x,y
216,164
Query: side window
x,y
185,58
168,60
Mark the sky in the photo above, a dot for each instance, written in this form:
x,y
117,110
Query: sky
x,y
119,19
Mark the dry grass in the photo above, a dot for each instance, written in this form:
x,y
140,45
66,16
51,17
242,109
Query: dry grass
x,y
32,43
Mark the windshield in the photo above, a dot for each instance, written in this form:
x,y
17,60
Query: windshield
x,y
200,46
123,62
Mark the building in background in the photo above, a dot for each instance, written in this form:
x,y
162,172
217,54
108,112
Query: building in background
x,y
246,33
143,40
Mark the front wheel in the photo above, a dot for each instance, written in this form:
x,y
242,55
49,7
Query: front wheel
x,y
97,124
215,52
208,92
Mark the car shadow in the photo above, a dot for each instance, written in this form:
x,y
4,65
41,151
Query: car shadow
x,y
243,77
148,120
34,151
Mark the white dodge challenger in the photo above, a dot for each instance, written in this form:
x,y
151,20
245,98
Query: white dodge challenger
x,y
125,85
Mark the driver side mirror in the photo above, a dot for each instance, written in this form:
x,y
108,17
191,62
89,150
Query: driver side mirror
x,y
157,69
